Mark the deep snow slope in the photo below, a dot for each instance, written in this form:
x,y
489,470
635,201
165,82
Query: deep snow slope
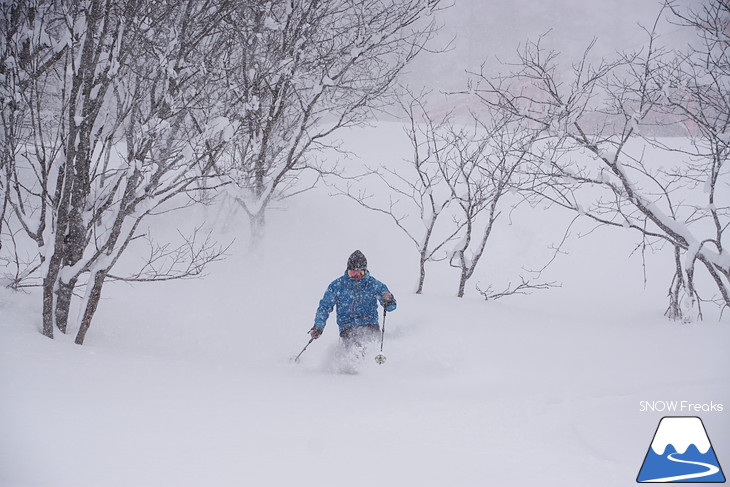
x,y
189,383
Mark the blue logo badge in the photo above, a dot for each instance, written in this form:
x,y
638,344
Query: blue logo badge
x,y
681,452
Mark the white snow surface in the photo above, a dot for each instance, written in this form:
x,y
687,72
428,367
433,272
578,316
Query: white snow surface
x,y
189,383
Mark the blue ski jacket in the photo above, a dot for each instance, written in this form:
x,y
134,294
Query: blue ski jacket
x,y
356,301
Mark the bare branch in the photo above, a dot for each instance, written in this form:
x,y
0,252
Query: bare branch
x,y
524,287
187,260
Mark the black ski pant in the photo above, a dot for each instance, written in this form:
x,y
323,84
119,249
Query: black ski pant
x,y
360,335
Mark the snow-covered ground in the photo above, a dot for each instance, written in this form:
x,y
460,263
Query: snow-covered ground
x,y
189,383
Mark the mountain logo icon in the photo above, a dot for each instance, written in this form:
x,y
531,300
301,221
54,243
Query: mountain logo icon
x,y
681,452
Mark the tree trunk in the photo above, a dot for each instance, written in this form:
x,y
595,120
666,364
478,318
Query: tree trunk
x,y
73,251
64,294
258,227
49,283
92,301
422,275
463,269
462,284
674,311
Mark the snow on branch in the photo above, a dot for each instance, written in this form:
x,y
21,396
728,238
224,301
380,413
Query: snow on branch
x,y
602,156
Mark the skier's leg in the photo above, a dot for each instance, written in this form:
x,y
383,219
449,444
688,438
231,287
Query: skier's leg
x,y
371,333
348,357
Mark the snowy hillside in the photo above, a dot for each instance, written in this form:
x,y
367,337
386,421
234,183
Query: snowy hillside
x,y
189,383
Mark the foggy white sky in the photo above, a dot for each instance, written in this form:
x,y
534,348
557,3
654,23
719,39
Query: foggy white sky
x,y
484,29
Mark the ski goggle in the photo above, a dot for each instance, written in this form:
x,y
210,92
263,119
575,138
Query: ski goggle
x,y
356,274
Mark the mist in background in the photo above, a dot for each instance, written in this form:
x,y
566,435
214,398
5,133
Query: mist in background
x,y
484,32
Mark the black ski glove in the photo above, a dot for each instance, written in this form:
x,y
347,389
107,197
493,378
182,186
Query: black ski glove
x,y
387,299
315,332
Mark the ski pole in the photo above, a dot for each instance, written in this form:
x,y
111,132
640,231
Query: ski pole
x,y
380,358
296,359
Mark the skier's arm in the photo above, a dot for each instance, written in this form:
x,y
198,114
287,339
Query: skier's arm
x,y
384,292
326,305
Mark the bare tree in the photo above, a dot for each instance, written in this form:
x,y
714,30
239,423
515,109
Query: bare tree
x,y
461,176
298,72
484,161
27,59
697,92
132,130
600,120
420,191
31,127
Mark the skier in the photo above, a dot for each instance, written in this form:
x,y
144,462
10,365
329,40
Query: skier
x,y
356,295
